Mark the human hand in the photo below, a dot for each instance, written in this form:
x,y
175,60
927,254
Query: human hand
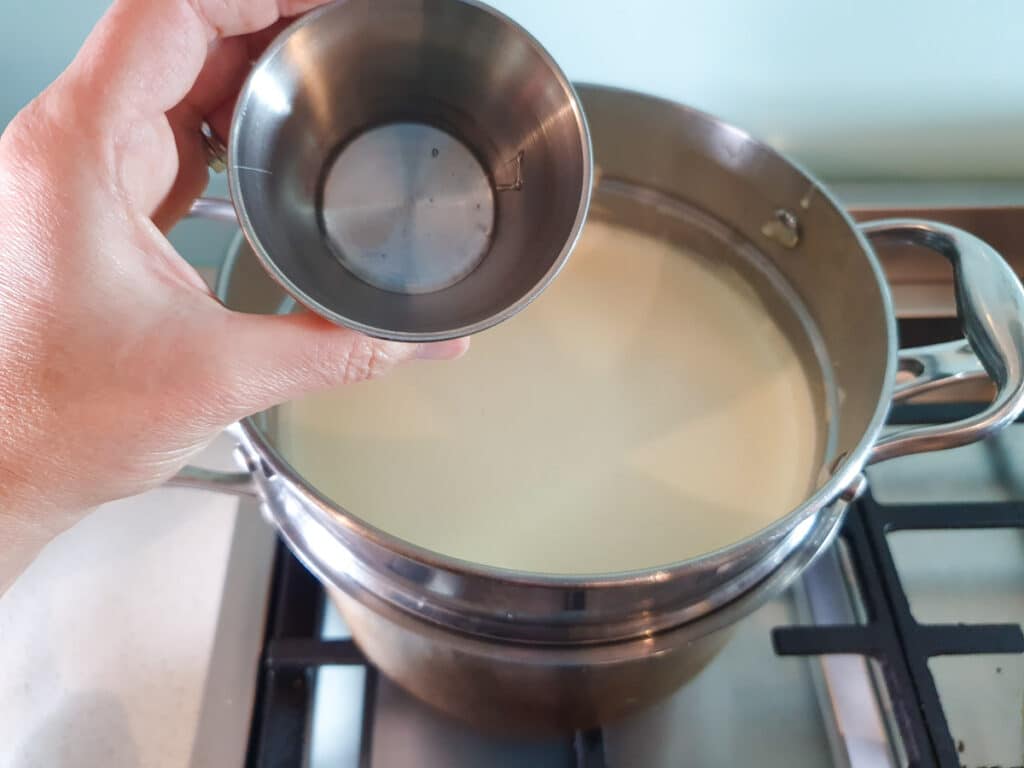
x,y
116,363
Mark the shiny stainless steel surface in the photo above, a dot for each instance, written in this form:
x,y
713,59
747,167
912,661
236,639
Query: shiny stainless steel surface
x,y
530,607
990,301
418,238
215,209
936,366
705,721
816,711
237,483
922,285
424,192
717,168
680,157
512,687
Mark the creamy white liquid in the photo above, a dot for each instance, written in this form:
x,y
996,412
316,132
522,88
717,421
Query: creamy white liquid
x,y
645,409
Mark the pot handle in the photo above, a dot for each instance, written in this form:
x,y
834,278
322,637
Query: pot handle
x,y
990,303
223,210
241,484
213,208
236,483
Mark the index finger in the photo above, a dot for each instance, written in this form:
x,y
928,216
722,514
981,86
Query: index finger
x,y
145,55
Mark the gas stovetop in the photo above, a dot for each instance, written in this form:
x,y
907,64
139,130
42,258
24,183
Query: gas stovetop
x,y
900,646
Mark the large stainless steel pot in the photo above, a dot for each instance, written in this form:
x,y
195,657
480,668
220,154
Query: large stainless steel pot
x,y
500,647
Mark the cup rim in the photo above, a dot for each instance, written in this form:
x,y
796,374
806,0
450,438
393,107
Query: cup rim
x,y
468,329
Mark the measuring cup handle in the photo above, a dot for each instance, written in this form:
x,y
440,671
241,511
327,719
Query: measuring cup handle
x,y
990,303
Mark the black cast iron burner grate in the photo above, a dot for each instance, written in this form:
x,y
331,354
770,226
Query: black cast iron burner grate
x,y
292,653
293,650
891,635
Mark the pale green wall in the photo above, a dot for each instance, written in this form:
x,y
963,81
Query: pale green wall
x,y
37,40
902,89
863,89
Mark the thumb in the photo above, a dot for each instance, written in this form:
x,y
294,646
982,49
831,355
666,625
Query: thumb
x,y
264,360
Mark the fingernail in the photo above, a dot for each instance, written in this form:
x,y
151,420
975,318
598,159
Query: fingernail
x,y
443,350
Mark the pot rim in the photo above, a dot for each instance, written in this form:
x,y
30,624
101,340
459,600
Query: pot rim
x,y
613,651
844,476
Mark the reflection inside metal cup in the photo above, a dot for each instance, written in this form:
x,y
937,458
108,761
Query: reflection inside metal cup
x,y
416,170
408,208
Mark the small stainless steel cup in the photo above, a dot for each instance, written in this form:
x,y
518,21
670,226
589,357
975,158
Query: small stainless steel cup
x,y
414,169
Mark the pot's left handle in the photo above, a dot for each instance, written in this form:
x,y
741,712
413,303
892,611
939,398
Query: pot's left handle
x,y
213,208
990,303
235,483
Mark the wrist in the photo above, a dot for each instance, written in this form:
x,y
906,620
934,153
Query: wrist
x,y
28,522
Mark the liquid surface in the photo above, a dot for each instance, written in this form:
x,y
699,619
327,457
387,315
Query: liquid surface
x,y
644,410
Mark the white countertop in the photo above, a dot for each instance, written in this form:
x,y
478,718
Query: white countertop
x,y
106,640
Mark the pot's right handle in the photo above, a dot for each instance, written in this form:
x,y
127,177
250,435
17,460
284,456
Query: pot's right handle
x,y
990,303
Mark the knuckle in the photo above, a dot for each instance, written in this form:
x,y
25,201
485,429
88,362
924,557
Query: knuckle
x,y
232,18
365,359
46,139
359,363
22,133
